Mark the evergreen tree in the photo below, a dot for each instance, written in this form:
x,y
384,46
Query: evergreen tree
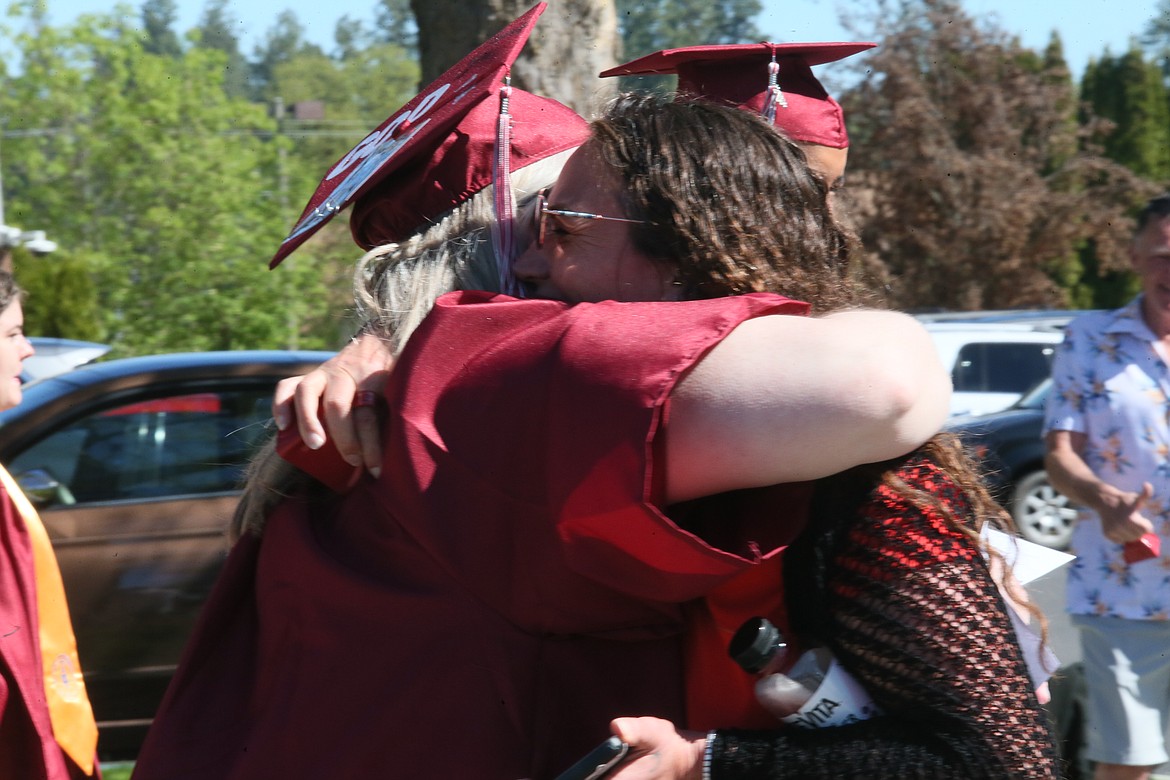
x,y
1054,71
350,36
63,299
395,24
283,42
1157,36
158,21
216,33
647,27
356,94
1129,92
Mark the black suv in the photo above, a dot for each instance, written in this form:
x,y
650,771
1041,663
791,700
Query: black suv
x,y
1011,448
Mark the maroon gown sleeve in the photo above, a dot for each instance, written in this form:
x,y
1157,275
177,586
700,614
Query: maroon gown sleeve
x,y
907,604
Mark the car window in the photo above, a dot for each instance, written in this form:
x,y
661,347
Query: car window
x,y
1002,367
177,445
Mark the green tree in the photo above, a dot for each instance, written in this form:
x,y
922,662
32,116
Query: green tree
x,y
1129,92
395,24
647,27
283,42
1053,70
350,36
63,299
1156,36
355,95
161,185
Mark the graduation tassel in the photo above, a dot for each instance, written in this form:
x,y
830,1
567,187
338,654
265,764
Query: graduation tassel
x,y
503,230
775,95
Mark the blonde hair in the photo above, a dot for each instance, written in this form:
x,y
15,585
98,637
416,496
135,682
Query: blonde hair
x,y
395,286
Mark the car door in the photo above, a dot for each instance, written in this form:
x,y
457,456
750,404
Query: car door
x,y
136,498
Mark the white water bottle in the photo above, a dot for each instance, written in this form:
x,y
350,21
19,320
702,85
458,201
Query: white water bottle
x,y
816,691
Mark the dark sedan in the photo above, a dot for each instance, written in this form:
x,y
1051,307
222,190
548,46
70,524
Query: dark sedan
x,y
1011,448
135,466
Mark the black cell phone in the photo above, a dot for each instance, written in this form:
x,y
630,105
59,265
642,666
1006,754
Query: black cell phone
x,y
597,762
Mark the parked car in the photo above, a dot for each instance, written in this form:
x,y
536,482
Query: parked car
x,y
135,465
994,363
1010,446
1056,318
54,356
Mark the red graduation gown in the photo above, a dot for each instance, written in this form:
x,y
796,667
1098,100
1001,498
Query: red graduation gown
x,y
507,586
28,750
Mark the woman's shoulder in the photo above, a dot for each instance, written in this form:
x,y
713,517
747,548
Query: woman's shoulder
x,y
475,320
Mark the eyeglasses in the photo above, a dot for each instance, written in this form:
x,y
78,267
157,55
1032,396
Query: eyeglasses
x,y
542,212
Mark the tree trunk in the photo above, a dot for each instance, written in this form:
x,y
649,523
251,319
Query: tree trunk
x,y
573,41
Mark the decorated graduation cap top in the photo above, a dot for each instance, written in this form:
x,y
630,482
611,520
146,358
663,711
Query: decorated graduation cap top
x,y
774,79
441,148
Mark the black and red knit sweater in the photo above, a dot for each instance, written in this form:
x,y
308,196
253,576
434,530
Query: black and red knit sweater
x,y
907,604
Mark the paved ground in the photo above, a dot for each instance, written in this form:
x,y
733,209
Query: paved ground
x,y
1049,594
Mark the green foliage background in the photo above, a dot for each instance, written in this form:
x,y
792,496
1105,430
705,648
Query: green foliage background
x,y
168,165
167,185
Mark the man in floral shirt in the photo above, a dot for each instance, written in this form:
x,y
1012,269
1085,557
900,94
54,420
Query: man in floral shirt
x,y
1108,436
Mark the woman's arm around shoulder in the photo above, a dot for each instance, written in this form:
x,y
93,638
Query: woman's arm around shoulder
x,y
785,399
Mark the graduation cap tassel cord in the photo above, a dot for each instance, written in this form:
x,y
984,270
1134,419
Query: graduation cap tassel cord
x,y
503,237
775,94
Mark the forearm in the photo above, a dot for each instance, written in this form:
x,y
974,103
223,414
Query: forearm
x,y
1068,473
877,748
1120,510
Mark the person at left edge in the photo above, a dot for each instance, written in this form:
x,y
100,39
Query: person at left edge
x,y
47,729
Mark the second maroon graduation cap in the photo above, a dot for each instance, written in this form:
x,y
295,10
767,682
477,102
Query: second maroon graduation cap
x,y
773,79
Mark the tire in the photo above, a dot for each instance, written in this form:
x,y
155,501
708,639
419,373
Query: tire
x,y
1041,514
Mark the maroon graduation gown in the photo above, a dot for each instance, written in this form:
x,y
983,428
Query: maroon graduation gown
x,y
507,586
28,750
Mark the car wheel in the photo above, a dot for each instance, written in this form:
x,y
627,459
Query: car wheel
x,y
1041,514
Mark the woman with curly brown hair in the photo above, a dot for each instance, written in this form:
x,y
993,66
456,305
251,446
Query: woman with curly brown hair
x,y
890,572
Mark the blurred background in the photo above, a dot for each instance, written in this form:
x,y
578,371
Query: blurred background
x,y
153,157
157,154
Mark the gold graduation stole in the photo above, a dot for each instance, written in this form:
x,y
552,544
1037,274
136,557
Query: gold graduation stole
x,y
69,708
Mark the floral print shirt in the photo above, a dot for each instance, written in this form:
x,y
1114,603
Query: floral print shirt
x,y
1111,383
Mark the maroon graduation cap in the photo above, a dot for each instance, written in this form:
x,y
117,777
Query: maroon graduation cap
x,y
441,148
773,79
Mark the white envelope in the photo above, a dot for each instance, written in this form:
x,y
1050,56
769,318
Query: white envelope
x,y
1029,561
